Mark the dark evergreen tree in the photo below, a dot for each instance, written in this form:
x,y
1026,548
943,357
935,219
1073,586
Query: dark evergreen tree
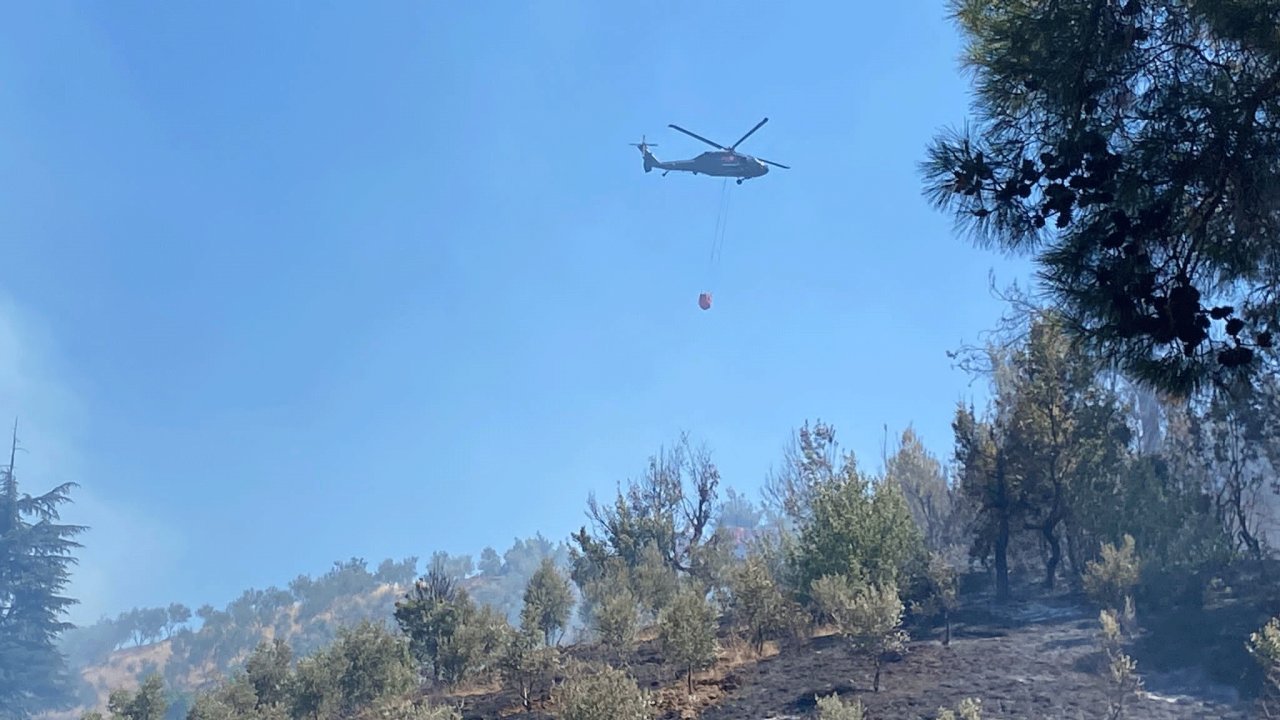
x,y
1132,148
35,559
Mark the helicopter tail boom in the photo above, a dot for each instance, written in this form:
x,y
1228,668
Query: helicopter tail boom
x,y
650,161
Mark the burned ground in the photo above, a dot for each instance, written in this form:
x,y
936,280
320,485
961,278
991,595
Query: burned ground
x,y
1034,659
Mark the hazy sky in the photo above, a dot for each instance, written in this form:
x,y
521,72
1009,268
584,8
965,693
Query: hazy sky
x,y
293,282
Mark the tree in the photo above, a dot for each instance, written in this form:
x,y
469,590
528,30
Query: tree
x,y
547,602
1064,430
940,598
933,503
1133,148
268,671
867,616
449,635
983,464
687,632
756,604
35,560
369,662
615,620
857,527
668,510
528,666
812,459
176,615
147,703
490,562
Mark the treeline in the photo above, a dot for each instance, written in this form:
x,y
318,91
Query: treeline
x,y
137,627
309,613
1151,507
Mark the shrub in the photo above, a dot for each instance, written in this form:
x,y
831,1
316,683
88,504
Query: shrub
x,y
832,707
869,617
602,694
1110,580
687,631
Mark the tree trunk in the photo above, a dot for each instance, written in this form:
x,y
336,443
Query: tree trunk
x,y
689,675
1002,560
875,685
1055,554
946,619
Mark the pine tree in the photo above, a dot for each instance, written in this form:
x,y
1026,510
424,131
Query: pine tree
x,y
1131,148
35,560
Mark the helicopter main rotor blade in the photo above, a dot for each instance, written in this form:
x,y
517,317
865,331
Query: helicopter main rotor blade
x,y
770,162
744,137
699,137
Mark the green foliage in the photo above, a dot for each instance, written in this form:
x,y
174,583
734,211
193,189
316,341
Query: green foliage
x,y
1110,579
528,667
369,662
687,632
941,593
268,670
664,518
547,602
934,505
401,708
615,620
503,579
811,460
1121,670
148,702
832,707
602,694
859,530
967,709
1140,174
449,635
35,561
1264,647
757,606
867,616
366,664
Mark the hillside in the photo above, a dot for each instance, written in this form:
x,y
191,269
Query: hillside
x,y
1035,658
307,616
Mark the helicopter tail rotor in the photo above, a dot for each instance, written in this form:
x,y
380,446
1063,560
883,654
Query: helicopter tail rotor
x,y
650,162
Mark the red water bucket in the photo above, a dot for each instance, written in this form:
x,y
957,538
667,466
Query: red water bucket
x,y
704,301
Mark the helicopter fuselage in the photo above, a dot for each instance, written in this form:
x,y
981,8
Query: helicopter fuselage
x,y
724,161
718,164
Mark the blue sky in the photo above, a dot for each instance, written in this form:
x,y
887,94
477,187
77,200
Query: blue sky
x,y
294,282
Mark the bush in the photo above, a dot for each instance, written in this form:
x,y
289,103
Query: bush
x,y
868,617
756,604
528,667
1122,675
1264,646
1110,580
832,707
968,709
603,694
687,631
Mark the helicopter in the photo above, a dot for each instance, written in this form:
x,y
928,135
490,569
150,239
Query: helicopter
x,y
723,162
